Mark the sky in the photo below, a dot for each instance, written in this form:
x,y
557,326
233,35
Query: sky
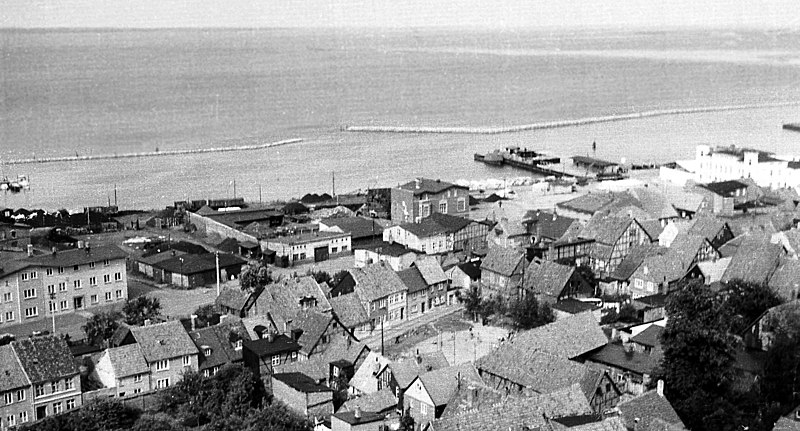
x,y
578,14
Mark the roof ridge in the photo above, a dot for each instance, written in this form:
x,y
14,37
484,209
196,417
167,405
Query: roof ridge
x,y
19,362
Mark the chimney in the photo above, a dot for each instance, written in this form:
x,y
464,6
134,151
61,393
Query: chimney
x,y
88,248
146,322
471,392
418,357
80,244
270,336
660,388
417,182
193,317
357,413
30,250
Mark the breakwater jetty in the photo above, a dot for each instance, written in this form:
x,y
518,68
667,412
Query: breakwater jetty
x,y
561,123
795,127
78,158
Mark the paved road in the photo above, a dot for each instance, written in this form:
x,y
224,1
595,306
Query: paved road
x,y
394,330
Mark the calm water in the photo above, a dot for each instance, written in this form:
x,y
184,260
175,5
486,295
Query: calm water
x,y
105,92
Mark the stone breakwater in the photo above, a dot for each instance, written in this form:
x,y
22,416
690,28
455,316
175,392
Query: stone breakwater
x,y
79,158
560,123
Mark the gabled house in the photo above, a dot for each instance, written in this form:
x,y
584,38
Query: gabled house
x,y
755,260
362,230
303,394
509,233
501,273
48,364
715,230
262,356
382,402
567,338
366,378
16,390
346,420
435,278
342,355
785,281
416,200
631,370
397,256
516,369
439,233
235,301
380,289
315,331
614,237
646,410
351,314
428,394
399,374
124,369
709,272
283,300
219,345
551,282
417,293
649,340
546,227
725,195
478,408
168,350
463,275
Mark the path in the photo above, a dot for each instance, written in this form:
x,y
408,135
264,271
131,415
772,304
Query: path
x,y
392,330
466,347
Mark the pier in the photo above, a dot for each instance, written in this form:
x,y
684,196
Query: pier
x,y
524,159
794,127
78,158
561,123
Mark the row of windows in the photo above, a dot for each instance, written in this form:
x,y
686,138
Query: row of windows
x,y
8,397
25,276
11,420
62,287
55,387
164,364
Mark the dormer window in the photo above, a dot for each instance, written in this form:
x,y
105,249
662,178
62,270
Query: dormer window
x,y
238,345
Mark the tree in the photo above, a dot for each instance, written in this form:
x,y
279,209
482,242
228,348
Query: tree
x,y
320,277
407,421
527,313
746,301
141,308
339,276
627,313
471,300
100,327
206,315
698,355
254,277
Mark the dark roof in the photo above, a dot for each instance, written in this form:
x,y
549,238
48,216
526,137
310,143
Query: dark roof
x,y
349,310
724,188
313,198
301,382
388,249
164,341
313,323
574,306
657,300
547,224
229,245
184,246
647,407
412,278
294,208
189,264
606,229
366,417
567,338
707,226
588,203
650,337
425,228
424,185
471,269
66,258
358,227
264,348
45,358
221,339
616,356
10,368
449,222
652,227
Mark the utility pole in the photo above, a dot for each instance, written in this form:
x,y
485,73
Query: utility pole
x,y
259,193
216,255
381,336
115,194
53,312
333,182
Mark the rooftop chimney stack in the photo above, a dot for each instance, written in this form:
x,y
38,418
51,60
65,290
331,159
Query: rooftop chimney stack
x,y
357,413
30,250
418,182
660,388
146,322
193,317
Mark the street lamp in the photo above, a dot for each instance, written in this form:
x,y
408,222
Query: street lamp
x,y
53,311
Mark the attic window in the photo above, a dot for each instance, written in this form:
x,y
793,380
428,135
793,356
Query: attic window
x,y
238,345
207,351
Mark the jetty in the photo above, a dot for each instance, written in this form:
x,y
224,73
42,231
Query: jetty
x,y
795,127
561,123
78,158
528,160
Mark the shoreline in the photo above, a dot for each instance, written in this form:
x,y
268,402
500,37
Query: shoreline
x,y
78,158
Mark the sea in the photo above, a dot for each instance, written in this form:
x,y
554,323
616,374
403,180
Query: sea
x,y
96,92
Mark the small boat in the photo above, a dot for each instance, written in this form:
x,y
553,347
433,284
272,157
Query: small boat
x,y
15,186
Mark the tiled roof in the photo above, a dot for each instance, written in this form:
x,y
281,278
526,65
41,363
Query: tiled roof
x,y
650,337
45,358
786,424
65,258
426,227
589,203
755,260
591,422
349,310
160,257
631,263
653,202
127,360
786,279
442,384
365,378
281,299
538,371
425,185
616,356
220,339
13,376
451,223
376,402
648,407
652,227
685,247
376,281
512,412
430,269
313,323
713,270
605,229
574,306
164,341
301,382
232,297
656,301
318,367
547,278
406,370
359,227
567,338
412,278
547,224
706,226
365,418
664,267
504,261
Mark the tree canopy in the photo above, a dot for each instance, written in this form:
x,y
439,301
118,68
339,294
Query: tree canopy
x,y
254,277
141,308
528,313
100,327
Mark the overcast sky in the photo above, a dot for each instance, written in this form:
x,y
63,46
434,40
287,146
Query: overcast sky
x,y
400,13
